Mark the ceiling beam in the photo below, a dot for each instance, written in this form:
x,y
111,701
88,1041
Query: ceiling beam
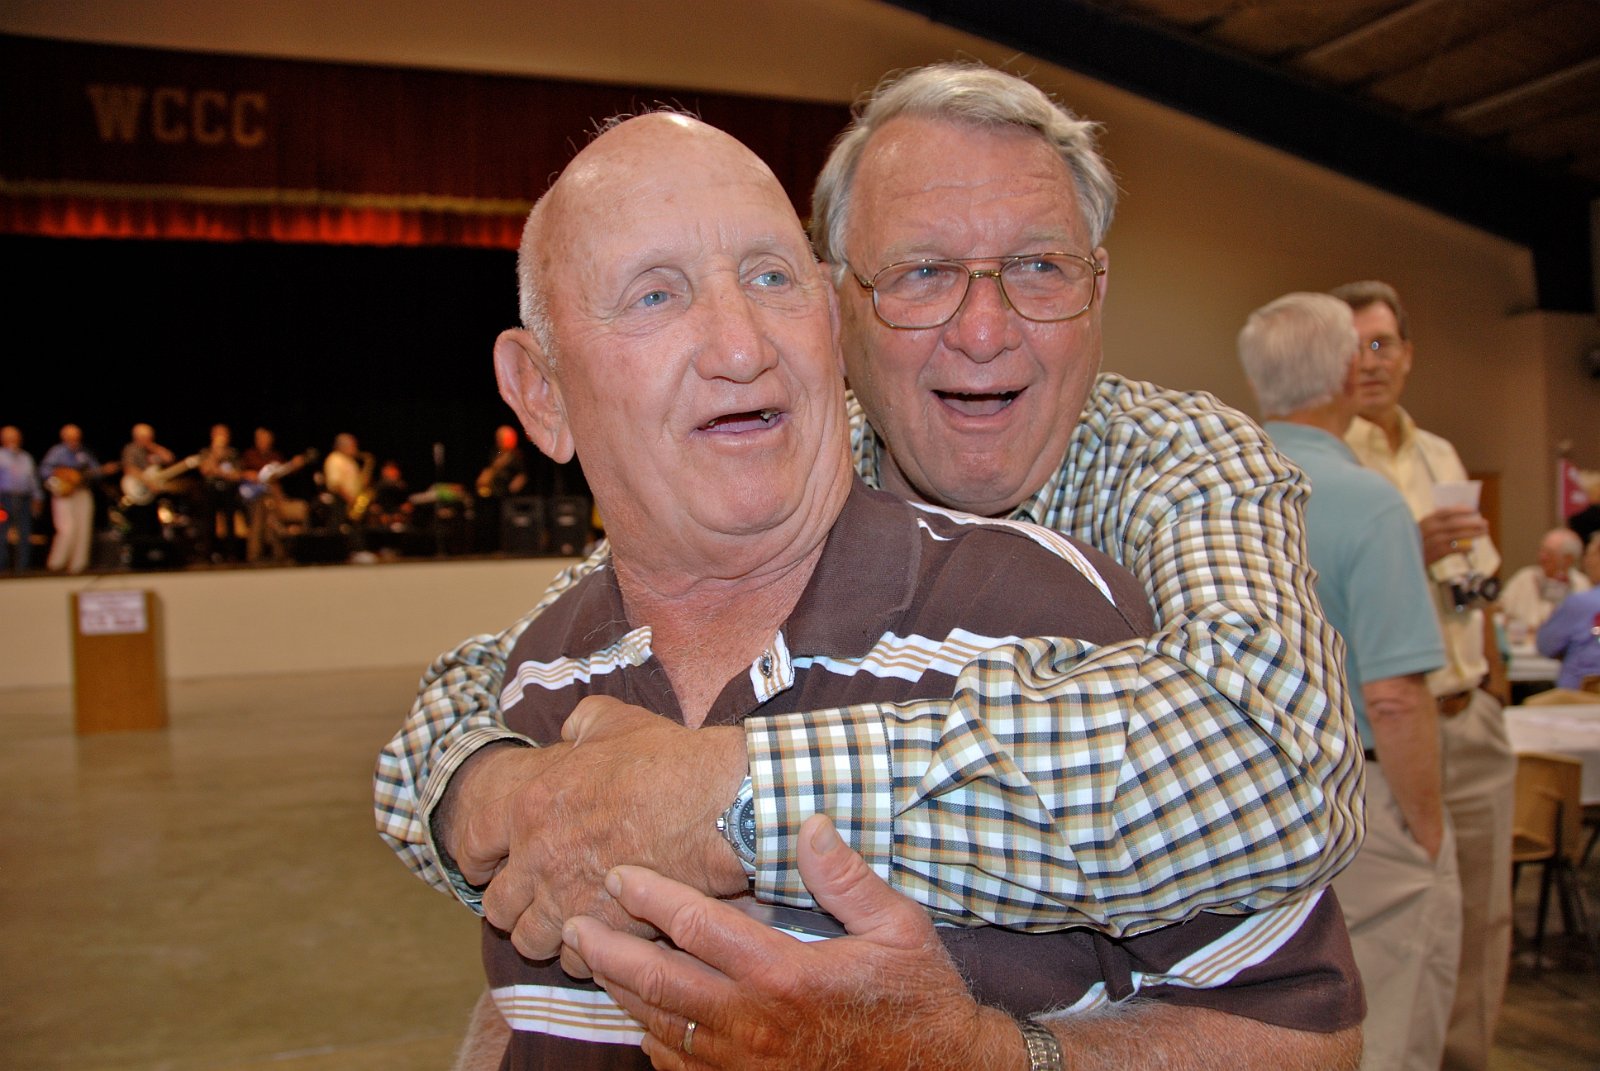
x,y
1546,212
1466,113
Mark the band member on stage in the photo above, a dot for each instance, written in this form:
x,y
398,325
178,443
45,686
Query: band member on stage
x,y
504,476
260,493
347,475
143,461
68,468
21,498
222,470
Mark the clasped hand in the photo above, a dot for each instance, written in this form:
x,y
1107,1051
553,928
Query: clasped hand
x,y
543,826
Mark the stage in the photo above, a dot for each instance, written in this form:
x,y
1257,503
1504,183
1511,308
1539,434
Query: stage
x,y
299,619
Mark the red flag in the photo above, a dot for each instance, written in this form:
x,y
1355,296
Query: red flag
x,y
1573,496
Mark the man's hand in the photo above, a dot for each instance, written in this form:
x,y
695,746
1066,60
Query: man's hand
x,y
885,997
625,786
1450,531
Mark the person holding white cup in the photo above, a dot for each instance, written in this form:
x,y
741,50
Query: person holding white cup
x,y
1479,766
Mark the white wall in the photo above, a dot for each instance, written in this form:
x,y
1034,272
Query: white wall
x,y
291,620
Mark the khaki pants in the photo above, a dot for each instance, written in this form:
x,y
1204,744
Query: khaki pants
x,y
1479,771
74,517
1404,915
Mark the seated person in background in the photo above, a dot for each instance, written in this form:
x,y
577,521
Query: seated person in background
x,y
1535,590
1572,632
751,576
1590,563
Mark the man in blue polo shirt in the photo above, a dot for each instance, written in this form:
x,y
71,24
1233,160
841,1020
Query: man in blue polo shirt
x,y
1401,896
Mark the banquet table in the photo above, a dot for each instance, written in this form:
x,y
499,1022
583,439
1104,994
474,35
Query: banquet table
x,y
1528,666
1564,729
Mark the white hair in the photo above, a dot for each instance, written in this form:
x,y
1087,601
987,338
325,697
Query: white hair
x,y
1565,541
1296,351
963,93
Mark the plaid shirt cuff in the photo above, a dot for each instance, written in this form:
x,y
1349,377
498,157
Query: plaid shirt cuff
x,y
834,762
468,744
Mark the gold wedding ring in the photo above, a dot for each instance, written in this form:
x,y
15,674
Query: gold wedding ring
x,y
688,1037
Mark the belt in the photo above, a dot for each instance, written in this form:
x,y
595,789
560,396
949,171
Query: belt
x,y
1455,703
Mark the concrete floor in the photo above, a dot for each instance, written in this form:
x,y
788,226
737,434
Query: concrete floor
x,y
213,896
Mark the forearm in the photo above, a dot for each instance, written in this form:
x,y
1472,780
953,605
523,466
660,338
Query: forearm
x,y
1092,787
1405,728
457,711
1164,1037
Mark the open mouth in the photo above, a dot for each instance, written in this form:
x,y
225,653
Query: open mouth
x,y
977,405
753,420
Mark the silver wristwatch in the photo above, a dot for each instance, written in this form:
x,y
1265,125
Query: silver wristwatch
x,y
1044,1051
738,826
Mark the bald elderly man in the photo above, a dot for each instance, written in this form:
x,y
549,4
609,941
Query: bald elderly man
x,y
751,575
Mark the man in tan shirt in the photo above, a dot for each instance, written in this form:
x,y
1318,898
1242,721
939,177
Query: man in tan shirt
x,y
1479,766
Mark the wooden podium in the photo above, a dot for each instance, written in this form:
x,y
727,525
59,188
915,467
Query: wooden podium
x,y
118,680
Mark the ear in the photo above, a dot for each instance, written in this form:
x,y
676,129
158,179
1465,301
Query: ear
x,y
1352,376
1102,281
529,385
834,330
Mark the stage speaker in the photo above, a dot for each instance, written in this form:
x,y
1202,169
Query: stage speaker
x,y
319,546
522,526
567,526
108,551
154,552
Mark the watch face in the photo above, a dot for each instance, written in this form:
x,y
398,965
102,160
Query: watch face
x,y
747,824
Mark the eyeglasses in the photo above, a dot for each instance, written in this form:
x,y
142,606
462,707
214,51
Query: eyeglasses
x,y
1386,348
1043,287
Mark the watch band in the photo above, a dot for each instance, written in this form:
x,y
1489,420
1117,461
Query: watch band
x,y
737,826
1044,1051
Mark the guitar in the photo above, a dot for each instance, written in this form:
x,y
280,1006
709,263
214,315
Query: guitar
x,y
271,473
63,481
141,489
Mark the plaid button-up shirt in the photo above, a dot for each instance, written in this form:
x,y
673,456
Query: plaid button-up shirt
x,y
1225,776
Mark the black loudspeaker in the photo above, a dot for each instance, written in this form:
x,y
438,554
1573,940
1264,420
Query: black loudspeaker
x,y
319,546
153,552
522,526
567,525
108,551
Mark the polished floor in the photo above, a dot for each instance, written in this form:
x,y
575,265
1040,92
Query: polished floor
x,y
212,897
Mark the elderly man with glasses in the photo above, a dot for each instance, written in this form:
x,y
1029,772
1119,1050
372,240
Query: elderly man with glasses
x,y
1221,774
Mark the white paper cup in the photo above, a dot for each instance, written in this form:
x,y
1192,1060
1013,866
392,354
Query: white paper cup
x,y
1457,494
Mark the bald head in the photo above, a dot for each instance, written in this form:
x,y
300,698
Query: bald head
x,y
1559,551
632,163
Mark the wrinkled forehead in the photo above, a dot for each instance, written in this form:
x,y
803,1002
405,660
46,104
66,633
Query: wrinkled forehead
x,y
657,174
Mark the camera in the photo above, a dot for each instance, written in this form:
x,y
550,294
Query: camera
x,y
1472,589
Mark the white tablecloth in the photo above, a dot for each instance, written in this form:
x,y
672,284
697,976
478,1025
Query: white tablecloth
x,y
1527,665
1567,730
